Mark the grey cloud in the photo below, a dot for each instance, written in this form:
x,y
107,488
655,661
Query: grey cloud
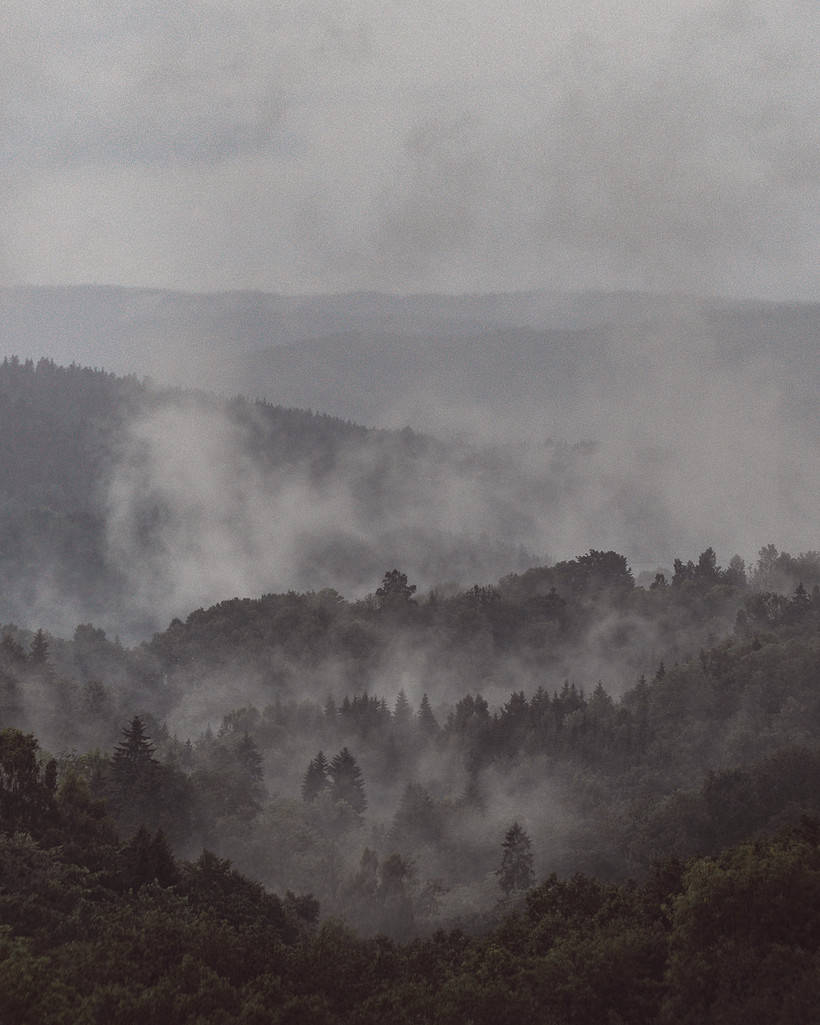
x,y
454,147
664,165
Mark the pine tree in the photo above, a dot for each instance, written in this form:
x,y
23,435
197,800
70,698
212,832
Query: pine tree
x,y
148,859
316,778
417,820
426,719
346,782
250,763
38,658
38,653
132,788
134,752
515,872
402,712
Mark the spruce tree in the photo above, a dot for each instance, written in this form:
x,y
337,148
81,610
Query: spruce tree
x,y
515,872
38,653
316,778
132,787
402,712
426,720
134,752
251,766
346,782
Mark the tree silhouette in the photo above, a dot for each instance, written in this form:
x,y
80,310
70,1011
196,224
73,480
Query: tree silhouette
x,y
346,782
132,787
515,872
426,720
395,592
135,749
316,778
38,653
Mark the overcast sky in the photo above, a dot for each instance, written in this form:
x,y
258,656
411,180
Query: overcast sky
x,y
447,145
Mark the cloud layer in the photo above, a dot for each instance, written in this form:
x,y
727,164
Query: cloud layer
x,y
313,146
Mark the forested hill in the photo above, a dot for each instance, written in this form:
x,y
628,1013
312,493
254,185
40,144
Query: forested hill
x,y
128,504
481,850
720,397
467,776
98,932
66,433
63,428
294,733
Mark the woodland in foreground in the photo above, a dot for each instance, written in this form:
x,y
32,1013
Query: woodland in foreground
x,y
563,797
678,823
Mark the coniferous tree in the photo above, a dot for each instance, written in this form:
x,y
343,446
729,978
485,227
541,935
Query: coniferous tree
x,y
134,752
134,777
250,763
402,712
38,653
148,859
346,782
315,780
417,820
26,792
38,658
515,871
426,719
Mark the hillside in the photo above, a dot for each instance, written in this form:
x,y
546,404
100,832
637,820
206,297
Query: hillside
x,y
375,753
537,764
127,504
687,405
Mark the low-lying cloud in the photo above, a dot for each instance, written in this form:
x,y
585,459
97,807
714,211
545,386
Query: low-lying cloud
x,y
454,147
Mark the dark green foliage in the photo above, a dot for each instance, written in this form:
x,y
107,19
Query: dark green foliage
x,y
426,720
316,779
417,820
148,859
515,871
141,791
346,781
26,787
38,655
728,939
402,713
745,937
395,592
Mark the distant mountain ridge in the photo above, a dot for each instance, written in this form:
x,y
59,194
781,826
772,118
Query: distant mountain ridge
x,y
644,424
377,349
126,504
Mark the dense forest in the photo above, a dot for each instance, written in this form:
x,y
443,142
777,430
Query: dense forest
x,y
562,856
105,481
557,794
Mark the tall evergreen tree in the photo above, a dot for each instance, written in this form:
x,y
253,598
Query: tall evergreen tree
x,y
315,780
250,764
38,653
134,777
515,871
402,712
426,719
346,782
134,752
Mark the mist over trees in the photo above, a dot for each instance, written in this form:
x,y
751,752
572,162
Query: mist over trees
x,y
696,783
296,733
409,556
528,794
527,454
